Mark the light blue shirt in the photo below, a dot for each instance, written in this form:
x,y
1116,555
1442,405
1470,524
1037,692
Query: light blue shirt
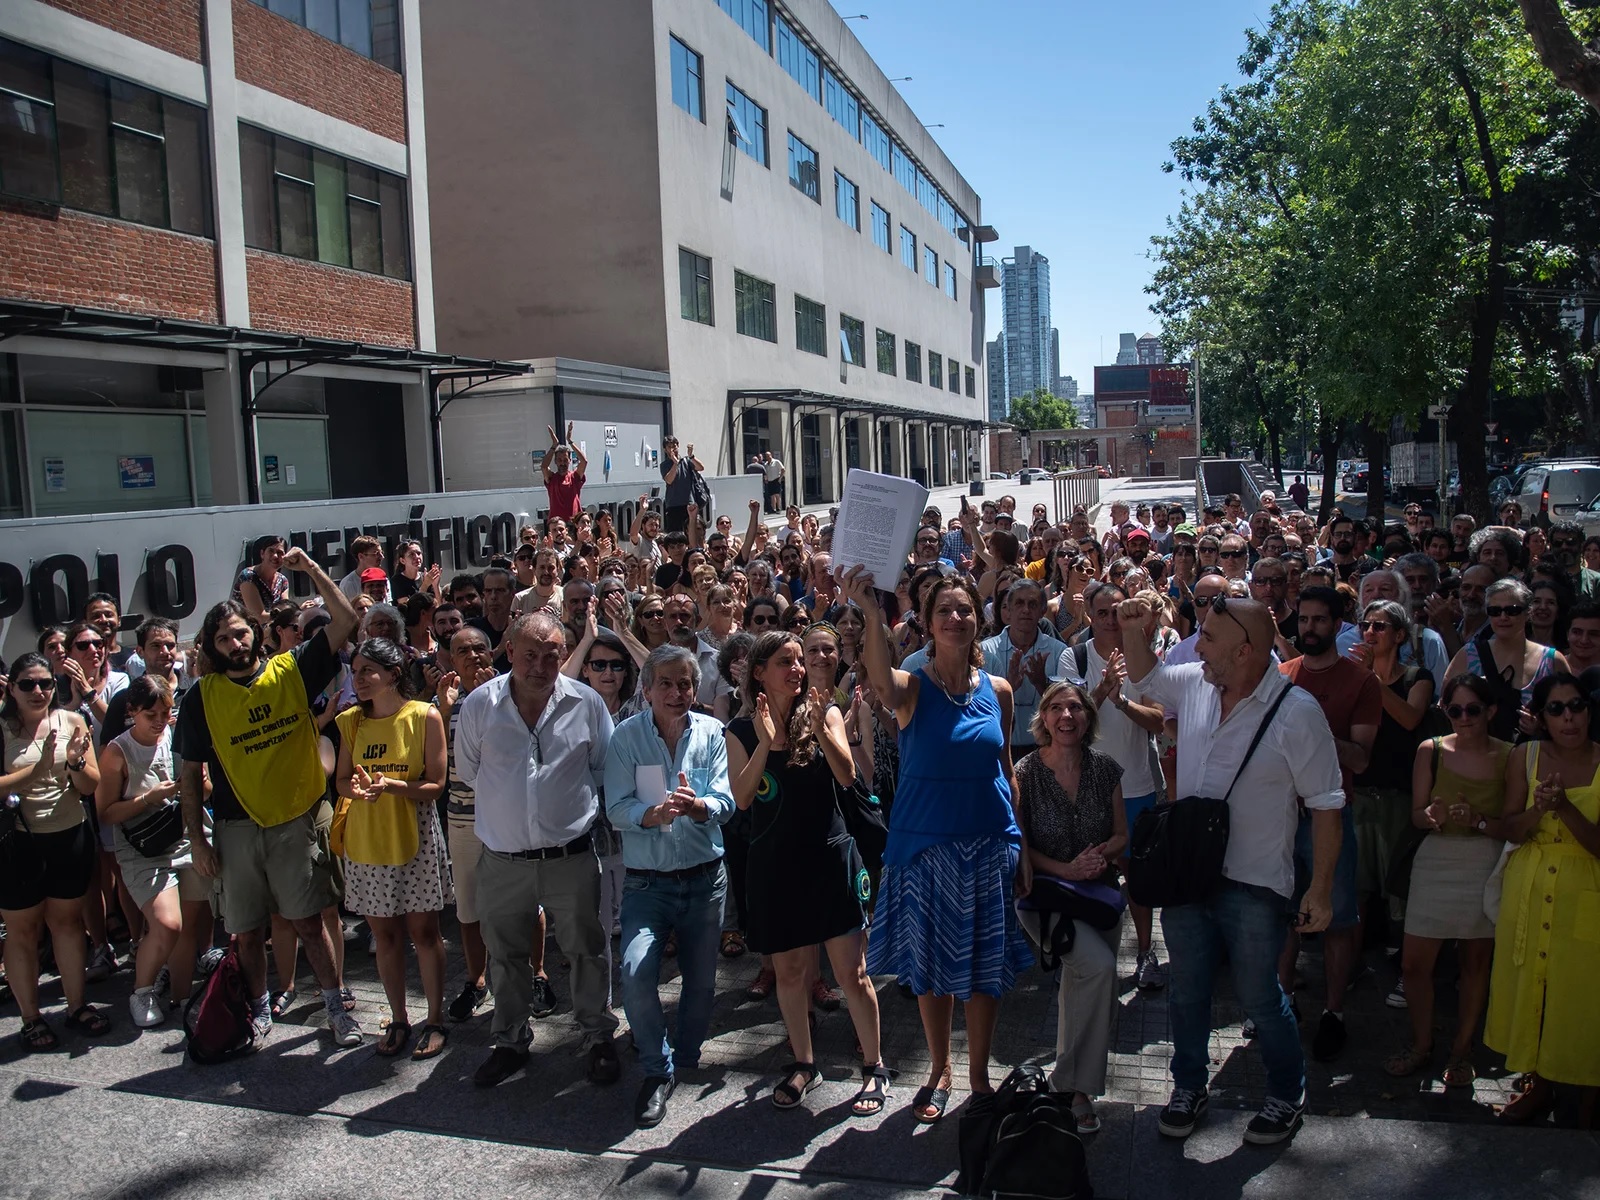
x,y
636,747
1024,696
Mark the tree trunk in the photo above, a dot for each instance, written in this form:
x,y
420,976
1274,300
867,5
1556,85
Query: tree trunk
x,y
1377,447
1328,442
1275,452
1575,66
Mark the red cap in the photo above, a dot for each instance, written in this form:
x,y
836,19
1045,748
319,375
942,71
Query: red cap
x,y
373,575
1136,533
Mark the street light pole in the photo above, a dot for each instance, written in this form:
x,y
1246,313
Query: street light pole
x,y
1199,482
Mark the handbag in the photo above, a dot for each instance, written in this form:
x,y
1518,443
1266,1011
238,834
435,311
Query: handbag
x,y
155,834
1054,904
863,818
1177,850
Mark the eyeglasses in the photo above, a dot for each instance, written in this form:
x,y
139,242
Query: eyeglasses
x,y
1555,708
88,644
1565,544
1366,625
1456,711
1270,580
32,685
1231,553
1505,610
763,620
607,664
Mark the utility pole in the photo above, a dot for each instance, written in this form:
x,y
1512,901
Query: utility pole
x,y
1199,482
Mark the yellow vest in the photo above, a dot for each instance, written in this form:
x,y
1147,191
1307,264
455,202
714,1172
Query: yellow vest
x,y
266,740
384,832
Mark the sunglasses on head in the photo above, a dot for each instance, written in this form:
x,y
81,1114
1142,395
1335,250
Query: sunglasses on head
x,y
1554,708
33,685
1505,610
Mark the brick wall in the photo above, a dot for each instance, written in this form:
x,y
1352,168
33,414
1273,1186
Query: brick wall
x,y
173,25
276,54
62,257
289,295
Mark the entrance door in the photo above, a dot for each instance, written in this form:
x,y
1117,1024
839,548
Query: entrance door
x,y
852,443
811,460
919,468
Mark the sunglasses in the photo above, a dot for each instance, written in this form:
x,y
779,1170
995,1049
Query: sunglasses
x,y
1505,610
1456,711
33,685
1219,606
1205,601
1366,625
758,620
607,664
654,615
1231,553
1555,708
88,644
1565,544
1270,580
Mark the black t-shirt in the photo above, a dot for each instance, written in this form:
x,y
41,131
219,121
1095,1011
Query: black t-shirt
x,y
489,631
679,492
116,721
317,663
401,585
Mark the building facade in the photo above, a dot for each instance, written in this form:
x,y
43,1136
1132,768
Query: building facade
x,y
1025,290
999,394
1145,417
1149,352
1127,350
728,191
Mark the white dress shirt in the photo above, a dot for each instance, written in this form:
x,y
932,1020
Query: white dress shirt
x,y
538,790
1120,737
1297,757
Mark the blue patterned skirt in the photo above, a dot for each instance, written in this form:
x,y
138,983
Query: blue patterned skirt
x,y
945,923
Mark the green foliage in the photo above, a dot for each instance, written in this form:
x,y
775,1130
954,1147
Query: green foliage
x,y
1042,409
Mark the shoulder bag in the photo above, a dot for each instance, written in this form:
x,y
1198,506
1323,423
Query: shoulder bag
x,y
1177,850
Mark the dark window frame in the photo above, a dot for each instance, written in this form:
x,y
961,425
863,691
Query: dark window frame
x,y
810,326
755,306
695,68
695,283
380,44
810,188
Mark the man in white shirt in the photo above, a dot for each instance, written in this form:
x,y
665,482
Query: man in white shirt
x,y
773,470
532,746
1028,659
1221,704
368,553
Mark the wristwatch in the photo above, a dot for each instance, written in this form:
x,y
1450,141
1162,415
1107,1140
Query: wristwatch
x,y
1482,825
79,765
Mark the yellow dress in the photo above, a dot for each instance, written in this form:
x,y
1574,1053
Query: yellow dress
x,y
1547,953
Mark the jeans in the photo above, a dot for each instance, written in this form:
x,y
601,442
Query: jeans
x,y
651,907
1252,923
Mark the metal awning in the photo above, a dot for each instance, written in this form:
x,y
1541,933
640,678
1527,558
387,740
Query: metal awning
x,y
846,404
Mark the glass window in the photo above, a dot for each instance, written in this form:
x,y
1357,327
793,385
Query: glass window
x,y
688,84
880,227
369,27
396,226
841,103
694,286
913,363
27,125
188,154
332,197
853,340
803,168
930,265
950,280
83,123
797,58
355,25
972,383
904,169
752,17
935,369
810,326
751,122
908,248
366,218
875,140
141,176
753,307
846,202
954,370
927,194
255,160
886,352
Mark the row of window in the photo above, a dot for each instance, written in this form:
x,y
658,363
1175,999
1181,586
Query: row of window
x,y
756,316
75,137
819,82
369,27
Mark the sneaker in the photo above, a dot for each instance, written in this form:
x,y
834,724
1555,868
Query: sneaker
x,y
464,1005
1248,1030
1277,1121
345,1028
544,996
261,1022
164,985
1149,975
147,1007
102,964
372,945
1397,998
1182,1111
1330,1037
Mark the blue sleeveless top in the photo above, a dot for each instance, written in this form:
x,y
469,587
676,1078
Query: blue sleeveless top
x,y
951,785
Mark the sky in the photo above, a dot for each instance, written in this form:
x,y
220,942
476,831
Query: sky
x,y
1060,114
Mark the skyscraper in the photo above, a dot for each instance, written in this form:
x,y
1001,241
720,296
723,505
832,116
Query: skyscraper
x,y
1149,351
1025,292
999,397
1128,354
1055,360
1067,387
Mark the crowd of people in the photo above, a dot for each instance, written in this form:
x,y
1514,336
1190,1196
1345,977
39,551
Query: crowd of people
x,y
678,740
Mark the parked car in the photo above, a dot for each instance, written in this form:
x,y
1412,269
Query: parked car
x,y
1352,471
998,475
1032,474
1556,491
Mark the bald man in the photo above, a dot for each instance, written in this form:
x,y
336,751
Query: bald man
x,y
1222,701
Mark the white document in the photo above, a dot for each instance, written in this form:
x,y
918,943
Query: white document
x,y
878,518
650,783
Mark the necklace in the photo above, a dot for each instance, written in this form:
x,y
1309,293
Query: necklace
x,y
966,696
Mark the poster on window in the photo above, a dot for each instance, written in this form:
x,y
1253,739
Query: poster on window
x,y
137,471
55,474
269,467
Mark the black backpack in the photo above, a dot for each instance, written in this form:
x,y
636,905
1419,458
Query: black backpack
x,y
1023,1141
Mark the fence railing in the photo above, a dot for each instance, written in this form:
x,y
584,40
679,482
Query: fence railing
x,y
1074,488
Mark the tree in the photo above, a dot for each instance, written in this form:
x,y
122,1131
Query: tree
x,y
1575,65
1040,409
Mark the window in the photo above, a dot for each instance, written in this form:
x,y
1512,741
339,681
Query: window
x,y
810,326
72,136
927,194
930,265
880,227
846,202
753,307
950,280
853,340
797,58
972,383
803,169
841,103
875,140
751,120
751,16
694,286
369,27
908,248
913,363
953,369
310,204
947,215
886,352
688,81
935,369
904,169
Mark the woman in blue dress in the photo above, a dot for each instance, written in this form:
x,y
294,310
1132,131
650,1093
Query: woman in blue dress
x,y
945,921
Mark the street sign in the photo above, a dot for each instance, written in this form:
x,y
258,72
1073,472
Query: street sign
x,y
1438,412
1491,426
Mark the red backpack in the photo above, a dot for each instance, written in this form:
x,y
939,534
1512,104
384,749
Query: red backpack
x,y
217,1019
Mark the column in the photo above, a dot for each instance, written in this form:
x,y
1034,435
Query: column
x,y
417,174
227,184
419,436
225,443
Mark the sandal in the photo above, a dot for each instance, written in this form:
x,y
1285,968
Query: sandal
x,y
427,1046
1408,1062
874,1092
823,996
732,943
37,1035
1459,1073
786,1094
347,997
927,1097
1087,1120
394,1039
89,1021
762,987
282,1003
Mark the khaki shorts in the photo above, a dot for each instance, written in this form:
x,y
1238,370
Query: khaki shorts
x,y
285,869
465,850
146,879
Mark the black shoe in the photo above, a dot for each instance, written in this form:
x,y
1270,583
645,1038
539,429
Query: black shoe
x,y
464,1005
503,1062
1183,1110
1330,1039
1277,1121
604,1065
544,996
651,1106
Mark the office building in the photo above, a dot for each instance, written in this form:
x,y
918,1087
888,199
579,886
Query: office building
x,y
1148,351
1128,352
1148,417
999,397
728,191
1055,360
1025,292
1067,387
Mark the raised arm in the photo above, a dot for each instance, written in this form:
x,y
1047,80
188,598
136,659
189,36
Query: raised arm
x,y
749,547
342,613
896,688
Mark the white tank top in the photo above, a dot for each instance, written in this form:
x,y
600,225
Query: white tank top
x,y
148,767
